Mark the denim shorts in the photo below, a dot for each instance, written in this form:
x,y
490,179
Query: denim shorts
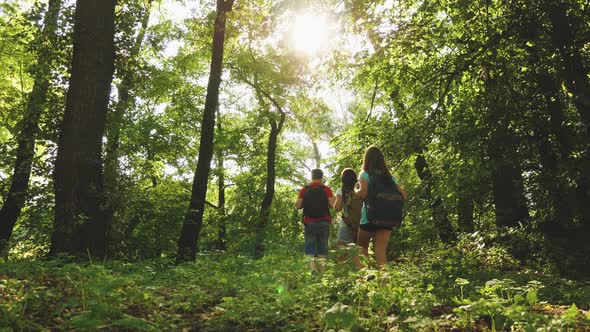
x,y
344,233
316,238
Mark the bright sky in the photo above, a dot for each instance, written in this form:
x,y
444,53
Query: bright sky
x,y
311,35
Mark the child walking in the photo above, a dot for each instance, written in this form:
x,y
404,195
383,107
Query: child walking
x,y
374,170
315,199
350,205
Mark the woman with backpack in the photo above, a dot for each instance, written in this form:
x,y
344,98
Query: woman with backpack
x,y
383,200
350,205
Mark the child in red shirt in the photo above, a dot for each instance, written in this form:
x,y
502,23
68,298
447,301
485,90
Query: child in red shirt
x,y
316,199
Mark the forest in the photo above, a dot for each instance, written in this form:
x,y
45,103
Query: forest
x,y
152,151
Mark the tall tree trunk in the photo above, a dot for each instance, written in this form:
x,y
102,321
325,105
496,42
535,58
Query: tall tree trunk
x,y
78,225
440,216
151,156
29,127
222,232
316,155
507,182
573,71
547,83
549,87
465,213
114,121
187,242
558,192
275,130
553,158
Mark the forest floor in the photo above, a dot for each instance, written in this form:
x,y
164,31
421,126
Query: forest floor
x,y
440,290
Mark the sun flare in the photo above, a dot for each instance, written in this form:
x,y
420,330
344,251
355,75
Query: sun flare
x,y
309,34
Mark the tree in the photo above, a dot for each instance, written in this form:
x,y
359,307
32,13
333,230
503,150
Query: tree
x,y
439,214
276,126
29,126
271,77
564,29
78,224
194,217
572,69
314,118
127,67
222,232
507,181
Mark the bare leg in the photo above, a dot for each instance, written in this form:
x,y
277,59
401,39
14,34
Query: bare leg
x,y
321,263
355,257
312,265
342,258
357,262
381,241
364,238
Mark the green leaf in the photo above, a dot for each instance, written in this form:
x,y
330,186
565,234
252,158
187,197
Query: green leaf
x,y
531,297
340,316
519,299
461,281
572,312
133,323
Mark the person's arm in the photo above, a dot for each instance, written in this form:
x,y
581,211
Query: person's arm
x,y
338,202
361,189
299,203
353,192
332,200
403,192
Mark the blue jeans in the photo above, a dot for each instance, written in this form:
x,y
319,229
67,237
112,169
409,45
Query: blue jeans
x,y
316,238
344,233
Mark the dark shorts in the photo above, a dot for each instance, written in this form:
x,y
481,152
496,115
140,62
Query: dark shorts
x,y
316,238
371,228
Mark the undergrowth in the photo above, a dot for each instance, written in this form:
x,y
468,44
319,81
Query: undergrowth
x,y
439,289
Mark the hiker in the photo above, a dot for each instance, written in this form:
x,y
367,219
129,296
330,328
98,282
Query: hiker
x,y
315,199
350,205
383,201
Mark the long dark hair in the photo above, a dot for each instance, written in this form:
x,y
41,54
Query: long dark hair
x,y
348,177
374,164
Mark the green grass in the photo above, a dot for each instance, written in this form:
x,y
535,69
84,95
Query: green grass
x,y
437,290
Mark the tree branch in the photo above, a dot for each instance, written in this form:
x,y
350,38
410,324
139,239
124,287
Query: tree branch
x,y
267,95
228,5
373,98
206,201
211,205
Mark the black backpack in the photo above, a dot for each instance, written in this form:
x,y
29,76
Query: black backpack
x,y
315,202
384,203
